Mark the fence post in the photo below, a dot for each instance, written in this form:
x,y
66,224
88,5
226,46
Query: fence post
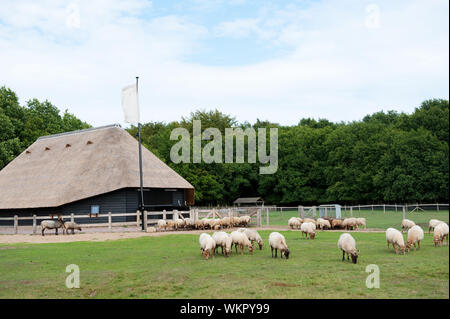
x,y
359,209
267,216
72,217
404,212
351,211
302,211
164,214
384,208
437,205
109,221
258,218
144,220
372,208
395,207
16,224
175,214
281,211
34,224
138,218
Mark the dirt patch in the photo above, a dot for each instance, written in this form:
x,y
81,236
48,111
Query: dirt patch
x,y
283,284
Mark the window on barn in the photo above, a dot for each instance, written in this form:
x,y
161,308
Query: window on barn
x,y
95,210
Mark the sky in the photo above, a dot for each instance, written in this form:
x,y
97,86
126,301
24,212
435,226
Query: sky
x,y
270,60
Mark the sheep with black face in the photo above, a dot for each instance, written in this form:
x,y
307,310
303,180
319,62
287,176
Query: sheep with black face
x,y
347,244
278,242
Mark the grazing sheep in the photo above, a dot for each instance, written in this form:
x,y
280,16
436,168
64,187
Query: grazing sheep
x,y
241,239
52,224
349,223
308,229
361,221
336,223
162,224
309,220
151,229
407,224
415,235
224,241
207,245
440,232
278,242
395,237
323,223
295,222
235,221
188,223
70,226
347,244
432,224
244,220
226,222
179,223
252,235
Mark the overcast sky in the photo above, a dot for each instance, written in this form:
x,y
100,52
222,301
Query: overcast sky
x,y
273,60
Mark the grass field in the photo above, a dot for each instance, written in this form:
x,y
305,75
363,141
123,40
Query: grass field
x,y
171,266
375,219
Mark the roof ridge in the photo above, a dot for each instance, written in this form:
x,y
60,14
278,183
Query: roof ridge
x,y
79,131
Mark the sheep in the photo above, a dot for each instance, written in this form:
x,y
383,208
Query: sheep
x,y
349,223
241,239
360,221
253,235
179,223
244,220
52,224
188,223
278,242
235,221
440,232
407,224
347,244
415,235
70,226
309,220
308,229
171,224
323,223
395,237
207,245
336,223
214,223
151,229
432,224
162,224
226,222
295,222
223,240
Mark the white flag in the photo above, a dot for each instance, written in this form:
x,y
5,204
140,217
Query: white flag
x,y
130,104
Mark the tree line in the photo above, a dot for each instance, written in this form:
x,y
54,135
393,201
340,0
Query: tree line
x,y
387,157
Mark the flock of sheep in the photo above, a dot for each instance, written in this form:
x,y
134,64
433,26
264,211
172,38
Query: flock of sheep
x,y
205,223
59,223
244,237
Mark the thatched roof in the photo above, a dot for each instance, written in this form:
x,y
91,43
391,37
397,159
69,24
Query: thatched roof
x,y
63,168
249,200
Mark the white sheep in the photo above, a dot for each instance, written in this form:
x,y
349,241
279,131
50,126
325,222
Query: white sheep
x,y
309,220
308,228
407,224
278,242
395,237
188,223
361,221
162,224
347,244
52,224
226,222
440,232
252,235
151,229
349,223
207,245
179,223
323,223
295,222
244,220
432,224
70,226
415,235
224,241
240,239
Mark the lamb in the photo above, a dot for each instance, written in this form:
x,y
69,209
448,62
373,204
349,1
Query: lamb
x,y
278,242
415,235
432,224
349,223
407,224
361,221
162,225
70,226
336,223
52,224
224,241
323,223
252,235
440,232
241,239
395,237
295,222
207,245
347,244
308,228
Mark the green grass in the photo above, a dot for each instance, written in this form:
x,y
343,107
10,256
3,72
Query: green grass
x,y
376,219
172,267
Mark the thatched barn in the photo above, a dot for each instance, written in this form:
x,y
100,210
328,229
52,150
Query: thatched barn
x,y
89,171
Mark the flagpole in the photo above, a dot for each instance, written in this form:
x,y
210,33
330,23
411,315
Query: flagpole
x,y
141,202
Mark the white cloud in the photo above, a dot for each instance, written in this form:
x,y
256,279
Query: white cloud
x,y
335,67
